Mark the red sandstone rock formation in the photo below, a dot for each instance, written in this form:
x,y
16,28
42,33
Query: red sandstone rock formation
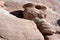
x,y
18,29
21,29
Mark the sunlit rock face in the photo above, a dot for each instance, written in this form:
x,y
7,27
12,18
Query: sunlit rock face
x,y
5,12
53,5
13,28
18,29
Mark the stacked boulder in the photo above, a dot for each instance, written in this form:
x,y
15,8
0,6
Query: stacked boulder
x,y
38,14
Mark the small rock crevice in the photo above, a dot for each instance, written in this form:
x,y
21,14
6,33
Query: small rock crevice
x,y
1,37
18,13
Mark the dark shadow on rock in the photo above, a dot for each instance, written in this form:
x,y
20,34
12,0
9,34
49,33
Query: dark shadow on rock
x,y
58,22
40,7
18,13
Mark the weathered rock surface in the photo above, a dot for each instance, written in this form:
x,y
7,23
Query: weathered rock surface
x,y
53,37
21,29
5,12
18,29
54,4
39,17
45,27
49,12
13,5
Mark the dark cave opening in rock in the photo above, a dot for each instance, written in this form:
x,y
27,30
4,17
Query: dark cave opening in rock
x,y
58,22
18,13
